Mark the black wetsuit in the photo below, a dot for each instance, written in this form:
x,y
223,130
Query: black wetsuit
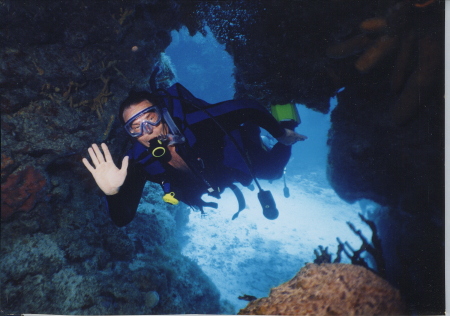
x,y
209,151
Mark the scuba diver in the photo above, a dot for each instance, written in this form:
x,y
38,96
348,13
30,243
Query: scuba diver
x,y
190,148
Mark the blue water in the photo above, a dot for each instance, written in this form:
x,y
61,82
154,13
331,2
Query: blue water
x,y
251,254
202,65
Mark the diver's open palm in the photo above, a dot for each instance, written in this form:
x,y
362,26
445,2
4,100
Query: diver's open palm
x,y
291,137
108,177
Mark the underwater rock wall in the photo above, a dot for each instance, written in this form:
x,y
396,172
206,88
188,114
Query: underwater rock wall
x,y
387,145
279,46
387,137
79,263
65,66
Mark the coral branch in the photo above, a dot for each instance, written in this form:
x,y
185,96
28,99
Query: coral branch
x,y
101,98
376,251
108,128
124,14
323,257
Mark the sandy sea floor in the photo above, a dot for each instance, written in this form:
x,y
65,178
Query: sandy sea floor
x,y
251,254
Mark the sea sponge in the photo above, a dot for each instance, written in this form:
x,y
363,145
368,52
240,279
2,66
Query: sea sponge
x,y
330,288
22,190
382,47
151,299
373,25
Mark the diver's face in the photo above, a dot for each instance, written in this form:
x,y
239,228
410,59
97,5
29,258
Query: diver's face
x,y
146,137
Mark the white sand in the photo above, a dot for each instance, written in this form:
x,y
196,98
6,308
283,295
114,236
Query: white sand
x,y
251,254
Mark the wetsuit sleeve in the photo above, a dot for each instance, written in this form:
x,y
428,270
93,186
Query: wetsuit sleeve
x,y
231,114
123,205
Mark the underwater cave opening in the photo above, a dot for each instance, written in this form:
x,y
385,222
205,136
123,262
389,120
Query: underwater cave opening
x,y
251,254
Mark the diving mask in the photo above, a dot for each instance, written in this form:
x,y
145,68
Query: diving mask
x,y
143,122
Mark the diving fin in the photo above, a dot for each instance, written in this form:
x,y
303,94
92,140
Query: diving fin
x,y
240,198
268,204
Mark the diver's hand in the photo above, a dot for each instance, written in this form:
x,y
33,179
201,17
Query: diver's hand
x,y
291,137
108,177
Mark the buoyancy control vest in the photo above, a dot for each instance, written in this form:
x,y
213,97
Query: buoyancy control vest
x,y
185,109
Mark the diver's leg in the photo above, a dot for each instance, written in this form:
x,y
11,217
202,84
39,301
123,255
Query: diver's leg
x,y
275,160
269,165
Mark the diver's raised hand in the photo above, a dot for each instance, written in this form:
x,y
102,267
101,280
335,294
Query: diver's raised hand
x,y
291,137
108,177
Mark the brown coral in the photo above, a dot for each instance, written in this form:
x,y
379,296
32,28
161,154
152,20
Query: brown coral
x,y
21,191
330,289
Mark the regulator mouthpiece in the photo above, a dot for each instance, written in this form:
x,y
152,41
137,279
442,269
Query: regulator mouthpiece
x,y
176,137
157,148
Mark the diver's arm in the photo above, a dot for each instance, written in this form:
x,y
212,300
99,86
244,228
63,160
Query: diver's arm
x,y
231,114
123,187
241,111
291,137
107,176
123,205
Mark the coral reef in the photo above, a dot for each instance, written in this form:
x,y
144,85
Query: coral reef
x,y
419,50
39,254
374,249
330,289
404,253
357,257
66,65
78,262
387,137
